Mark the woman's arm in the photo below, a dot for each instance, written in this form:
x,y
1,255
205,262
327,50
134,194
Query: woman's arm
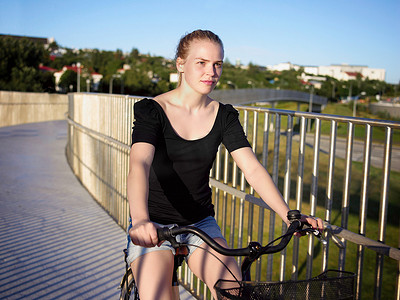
x,y
143,231
258,177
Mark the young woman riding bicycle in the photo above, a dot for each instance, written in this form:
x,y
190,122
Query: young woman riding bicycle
x,y
175,139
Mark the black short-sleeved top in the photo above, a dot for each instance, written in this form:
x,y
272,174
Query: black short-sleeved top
x,y
179,191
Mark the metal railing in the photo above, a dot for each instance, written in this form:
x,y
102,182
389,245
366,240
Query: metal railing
x,y
304,165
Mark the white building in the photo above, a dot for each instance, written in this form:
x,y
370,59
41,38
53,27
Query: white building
x,y
124,68
284,67
374,74
340,72
94,77
314,79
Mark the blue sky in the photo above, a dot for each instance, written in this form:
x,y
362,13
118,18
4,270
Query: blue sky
x,y
319,32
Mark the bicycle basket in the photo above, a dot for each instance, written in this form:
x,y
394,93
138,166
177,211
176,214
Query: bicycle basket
x,y
331,284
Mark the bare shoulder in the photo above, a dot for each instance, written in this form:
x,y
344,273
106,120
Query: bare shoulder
x,y
164,99
216,104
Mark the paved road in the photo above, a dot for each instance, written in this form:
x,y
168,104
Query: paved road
x,y
55,241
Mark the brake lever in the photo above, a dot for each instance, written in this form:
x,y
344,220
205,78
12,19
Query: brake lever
x,y
322,239
316,233
335,239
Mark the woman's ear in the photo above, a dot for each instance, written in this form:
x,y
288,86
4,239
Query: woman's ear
x,y
179,64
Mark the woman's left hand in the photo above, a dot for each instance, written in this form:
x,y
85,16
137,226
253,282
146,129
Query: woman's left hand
x,y
314,222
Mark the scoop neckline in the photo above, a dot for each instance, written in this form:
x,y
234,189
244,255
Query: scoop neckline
x,y
180,137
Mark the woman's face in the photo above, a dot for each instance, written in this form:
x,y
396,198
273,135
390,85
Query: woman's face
x,y
203,66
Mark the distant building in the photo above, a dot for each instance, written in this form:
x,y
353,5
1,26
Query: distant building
x,y
340,72
349,72
93,76
124,68
40,40
316,81
284,67
46,69
96,79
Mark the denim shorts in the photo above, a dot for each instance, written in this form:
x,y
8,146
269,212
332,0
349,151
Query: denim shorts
x,y
208,225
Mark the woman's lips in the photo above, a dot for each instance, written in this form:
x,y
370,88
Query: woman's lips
x,y
208,82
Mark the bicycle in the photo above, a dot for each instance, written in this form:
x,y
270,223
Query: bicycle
x,y
331,284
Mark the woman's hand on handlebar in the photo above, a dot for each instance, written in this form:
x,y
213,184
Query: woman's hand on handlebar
x,y
144,233
314,222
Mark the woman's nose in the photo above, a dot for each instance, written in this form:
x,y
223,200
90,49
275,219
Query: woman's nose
x,y
211,70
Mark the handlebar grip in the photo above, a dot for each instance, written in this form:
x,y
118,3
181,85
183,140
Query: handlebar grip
x,y
163,234
168,234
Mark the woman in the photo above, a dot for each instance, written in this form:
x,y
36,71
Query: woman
x,y
174,143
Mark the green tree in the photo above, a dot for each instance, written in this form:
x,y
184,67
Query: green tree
x,y
19,64
47,81
137,83
25,79
67,80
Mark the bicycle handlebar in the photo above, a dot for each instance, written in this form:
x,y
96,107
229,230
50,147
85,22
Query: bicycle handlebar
x,y
169,234
253,250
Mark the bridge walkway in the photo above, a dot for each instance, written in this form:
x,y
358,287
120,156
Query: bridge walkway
x,y
56,242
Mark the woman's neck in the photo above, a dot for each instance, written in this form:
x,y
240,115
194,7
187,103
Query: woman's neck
x,y
190,99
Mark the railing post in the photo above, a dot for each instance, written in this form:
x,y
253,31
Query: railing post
x,y
346,191
275,174
242,188
264,161
217,164
313,195
286,187
299,192
329,189
225,194
383,210
250,222
363,207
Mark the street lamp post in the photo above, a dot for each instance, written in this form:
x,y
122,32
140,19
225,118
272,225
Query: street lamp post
x,y
310,106
78,79
111,81
350,91
355,106
88,85
355,103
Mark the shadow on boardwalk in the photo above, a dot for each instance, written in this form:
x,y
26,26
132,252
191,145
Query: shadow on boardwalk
x,y
55,241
